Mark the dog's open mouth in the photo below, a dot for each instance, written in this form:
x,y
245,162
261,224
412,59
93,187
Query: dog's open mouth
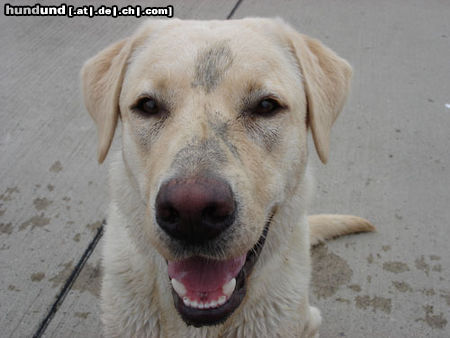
x,y
205,291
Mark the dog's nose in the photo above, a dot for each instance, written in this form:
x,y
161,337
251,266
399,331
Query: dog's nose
x,y
195,209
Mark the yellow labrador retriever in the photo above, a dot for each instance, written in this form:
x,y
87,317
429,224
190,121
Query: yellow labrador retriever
x,y
207,234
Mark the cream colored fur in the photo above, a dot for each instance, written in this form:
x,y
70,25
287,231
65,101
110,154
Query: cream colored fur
x,y
161,57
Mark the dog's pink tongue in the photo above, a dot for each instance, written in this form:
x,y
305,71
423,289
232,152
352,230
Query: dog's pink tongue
x,y
201,274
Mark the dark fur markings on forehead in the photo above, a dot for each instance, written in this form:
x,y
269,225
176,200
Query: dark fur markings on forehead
x,y
199,155
211,65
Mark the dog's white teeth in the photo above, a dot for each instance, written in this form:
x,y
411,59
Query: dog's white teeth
x,y
222,300
228,288
199,305
178,287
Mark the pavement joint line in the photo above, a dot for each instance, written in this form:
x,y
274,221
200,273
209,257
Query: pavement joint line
x,y
69,282
234,9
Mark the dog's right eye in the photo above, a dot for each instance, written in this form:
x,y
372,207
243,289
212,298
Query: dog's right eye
x,y
147,106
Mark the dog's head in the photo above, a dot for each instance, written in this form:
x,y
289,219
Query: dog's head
x,y
215,117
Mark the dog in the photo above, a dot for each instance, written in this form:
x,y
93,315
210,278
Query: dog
x,y
207,233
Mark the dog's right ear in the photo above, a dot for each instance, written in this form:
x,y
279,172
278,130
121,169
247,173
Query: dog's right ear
x,y
102,77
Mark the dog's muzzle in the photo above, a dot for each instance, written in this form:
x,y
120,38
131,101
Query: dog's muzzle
x,y
207,292
194,211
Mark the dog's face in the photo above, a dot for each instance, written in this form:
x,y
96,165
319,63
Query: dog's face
x,y
215,118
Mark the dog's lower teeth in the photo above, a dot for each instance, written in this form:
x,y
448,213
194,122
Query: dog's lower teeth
x,y
198,305
228,288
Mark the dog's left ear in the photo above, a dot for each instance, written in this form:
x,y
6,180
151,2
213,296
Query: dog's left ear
x,y
326,78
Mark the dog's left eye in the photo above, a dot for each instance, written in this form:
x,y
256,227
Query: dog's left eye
x,y
266,107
